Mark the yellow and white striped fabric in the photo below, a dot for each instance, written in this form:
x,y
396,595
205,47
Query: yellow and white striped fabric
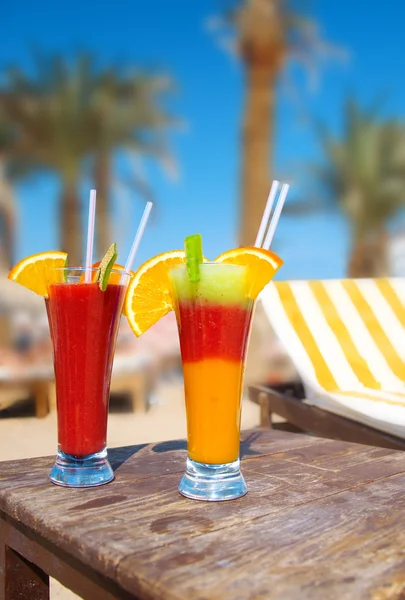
x,y
347,341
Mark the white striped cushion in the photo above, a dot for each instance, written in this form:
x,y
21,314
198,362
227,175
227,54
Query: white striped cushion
x,y
347,341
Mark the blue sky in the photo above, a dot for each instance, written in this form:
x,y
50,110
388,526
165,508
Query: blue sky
x,y
173,37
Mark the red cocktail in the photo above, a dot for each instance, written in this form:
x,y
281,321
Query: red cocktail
x,y
84,323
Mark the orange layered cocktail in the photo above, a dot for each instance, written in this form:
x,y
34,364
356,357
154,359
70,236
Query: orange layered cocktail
x,y
214,317
213,302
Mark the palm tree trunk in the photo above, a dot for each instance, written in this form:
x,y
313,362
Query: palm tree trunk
x,y
7,234
381,252
369,255
256,149
70,223
7,219
103,218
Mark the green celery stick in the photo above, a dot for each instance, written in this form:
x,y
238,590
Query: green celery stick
x,y
194,256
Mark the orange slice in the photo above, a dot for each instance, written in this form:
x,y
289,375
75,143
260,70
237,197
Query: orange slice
x,y
148,297
263,265
35,271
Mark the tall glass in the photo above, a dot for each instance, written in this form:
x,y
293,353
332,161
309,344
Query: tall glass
x,y
214,318
83,322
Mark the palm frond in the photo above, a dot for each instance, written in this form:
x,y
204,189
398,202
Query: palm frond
x,y
364,168
67,109
271,32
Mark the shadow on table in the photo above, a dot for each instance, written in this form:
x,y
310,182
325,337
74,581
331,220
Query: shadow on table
x,y
117,456
171,446
245,449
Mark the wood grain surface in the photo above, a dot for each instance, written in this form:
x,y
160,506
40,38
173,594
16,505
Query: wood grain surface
x,y
323,520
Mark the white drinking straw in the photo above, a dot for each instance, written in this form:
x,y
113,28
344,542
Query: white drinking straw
x,y
276,216
90,236
266,214
137,239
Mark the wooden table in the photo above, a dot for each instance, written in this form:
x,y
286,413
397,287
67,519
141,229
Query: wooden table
x,y
323,520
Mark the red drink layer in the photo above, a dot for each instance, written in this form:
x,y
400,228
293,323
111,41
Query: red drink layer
x,y
209,330
84,325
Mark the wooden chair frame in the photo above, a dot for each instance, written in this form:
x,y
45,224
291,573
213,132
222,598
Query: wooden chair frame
x,y
286,401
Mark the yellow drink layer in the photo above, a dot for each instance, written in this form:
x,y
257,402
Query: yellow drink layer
x,y
213,389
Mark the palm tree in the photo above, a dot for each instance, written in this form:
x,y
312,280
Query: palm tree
x,y
364,172
70,110
51,109
127,114
265,34
7,208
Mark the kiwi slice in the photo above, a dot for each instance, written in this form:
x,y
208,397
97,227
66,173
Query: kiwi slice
x,y
65,271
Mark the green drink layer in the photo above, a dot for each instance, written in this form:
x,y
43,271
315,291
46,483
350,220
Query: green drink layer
x,y
219,284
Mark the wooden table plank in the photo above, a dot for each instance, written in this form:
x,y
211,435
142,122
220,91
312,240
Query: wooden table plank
x,y
321,517
337,548
39,559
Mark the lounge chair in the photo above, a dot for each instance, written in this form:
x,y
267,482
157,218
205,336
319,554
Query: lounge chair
x,y
31,381
346,339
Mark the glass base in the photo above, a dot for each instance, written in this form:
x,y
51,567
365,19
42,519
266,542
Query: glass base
x,y
212,483
86,471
